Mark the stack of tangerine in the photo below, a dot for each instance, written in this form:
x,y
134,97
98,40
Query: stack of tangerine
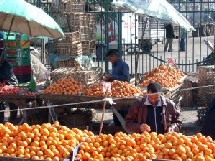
x,y
167,76
45,142
119,89
140,147
66,86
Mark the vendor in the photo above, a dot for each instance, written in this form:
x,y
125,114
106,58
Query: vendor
x,y
7,76
153,113
120,70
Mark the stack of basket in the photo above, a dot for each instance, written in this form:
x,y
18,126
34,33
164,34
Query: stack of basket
x,y
69,46
190,97
81,36
206,78
83,22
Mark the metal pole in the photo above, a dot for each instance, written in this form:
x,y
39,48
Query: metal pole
x,y
106,34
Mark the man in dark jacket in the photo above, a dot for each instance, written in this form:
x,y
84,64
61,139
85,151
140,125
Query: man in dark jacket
x,y
169,37
7,76
159,113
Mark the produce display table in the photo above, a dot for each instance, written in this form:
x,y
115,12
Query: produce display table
x,y
21,101
66,99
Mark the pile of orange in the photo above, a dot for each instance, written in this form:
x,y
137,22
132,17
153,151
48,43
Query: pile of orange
x,y
96,89
65,86
45,142
140,147
167,76
119,89
124,89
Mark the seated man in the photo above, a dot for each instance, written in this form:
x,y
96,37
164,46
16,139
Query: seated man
x,y
120,70
7,76
153,113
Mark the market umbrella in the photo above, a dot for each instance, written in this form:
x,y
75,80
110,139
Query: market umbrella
x,y
159,9
22,17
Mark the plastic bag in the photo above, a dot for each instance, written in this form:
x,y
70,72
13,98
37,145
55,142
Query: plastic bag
x,y
38,68
85,61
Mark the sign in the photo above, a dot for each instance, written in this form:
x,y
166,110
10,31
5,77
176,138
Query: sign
x,y
106,86
171,61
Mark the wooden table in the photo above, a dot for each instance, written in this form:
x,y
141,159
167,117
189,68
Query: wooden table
x,y
20,101
87,102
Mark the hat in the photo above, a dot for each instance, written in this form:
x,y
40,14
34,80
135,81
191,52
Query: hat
x,y
112,52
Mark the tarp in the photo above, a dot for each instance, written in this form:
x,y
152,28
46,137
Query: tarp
x,y
159,9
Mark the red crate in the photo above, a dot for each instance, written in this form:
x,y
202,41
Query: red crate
x,y
22,70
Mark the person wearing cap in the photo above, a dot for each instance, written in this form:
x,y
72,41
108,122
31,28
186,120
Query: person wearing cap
x,y
120,69
7,76
120,72
153,113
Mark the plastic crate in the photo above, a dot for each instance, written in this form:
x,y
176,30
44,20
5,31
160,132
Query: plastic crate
x,y
22,70
23,53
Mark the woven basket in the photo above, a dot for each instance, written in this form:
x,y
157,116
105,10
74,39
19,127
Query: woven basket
x,y
75,6
206,77
68,49
85,46
67,63
72,37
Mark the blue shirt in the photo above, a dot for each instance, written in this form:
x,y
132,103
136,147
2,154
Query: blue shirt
x,y
120,71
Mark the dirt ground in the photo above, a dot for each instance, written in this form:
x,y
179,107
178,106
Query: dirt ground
x,y
189,119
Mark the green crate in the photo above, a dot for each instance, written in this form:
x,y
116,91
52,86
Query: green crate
x,y
23,53
23,61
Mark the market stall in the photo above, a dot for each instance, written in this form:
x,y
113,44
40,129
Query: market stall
x,y
59,143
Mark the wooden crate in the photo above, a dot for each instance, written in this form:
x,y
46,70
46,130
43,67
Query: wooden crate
x,y
82,76
67,63
206,77
68,49
77,19
85,46
189,97
206,74
75,6
72,37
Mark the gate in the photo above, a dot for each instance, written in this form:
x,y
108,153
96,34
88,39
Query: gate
x,y
140,40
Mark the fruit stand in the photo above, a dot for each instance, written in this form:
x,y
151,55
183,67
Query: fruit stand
x,y
59,143
72,91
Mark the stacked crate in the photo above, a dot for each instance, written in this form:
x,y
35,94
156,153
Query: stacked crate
x,y
80,38
17,53
206,78
83,22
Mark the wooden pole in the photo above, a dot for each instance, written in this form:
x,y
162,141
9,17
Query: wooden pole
x,y
103,113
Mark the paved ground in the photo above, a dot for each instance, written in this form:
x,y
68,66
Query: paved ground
x,y
196,51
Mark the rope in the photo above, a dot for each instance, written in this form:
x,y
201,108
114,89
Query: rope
x,y
100,101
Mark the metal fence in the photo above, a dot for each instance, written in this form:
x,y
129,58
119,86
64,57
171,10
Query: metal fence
x,y
145,51
140,40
